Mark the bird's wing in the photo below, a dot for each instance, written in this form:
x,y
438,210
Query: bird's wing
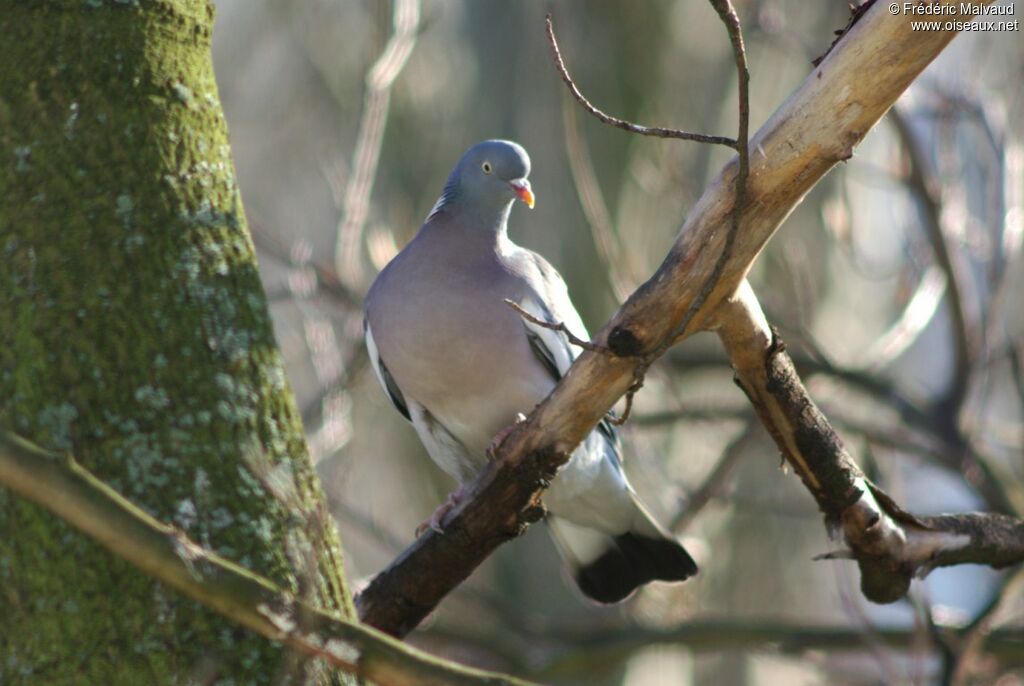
x,y
380,370
444,448
548,300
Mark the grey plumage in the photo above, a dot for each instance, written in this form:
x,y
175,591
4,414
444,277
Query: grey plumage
x,y
460,365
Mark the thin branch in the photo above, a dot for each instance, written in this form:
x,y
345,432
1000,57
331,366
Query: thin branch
x,y
616,641
557,326
62,486
656,131
796,147
815,362
634,388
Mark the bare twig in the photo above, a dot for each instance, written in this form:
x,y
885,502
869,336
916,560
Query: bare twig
x,y
966,326
616,641
579,342
557,326
66,489
655,420
815,363
656,131
634,388
379,79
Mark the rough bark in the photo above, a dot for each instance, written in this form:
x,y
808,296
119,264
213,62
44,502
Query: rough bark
x,y
134,332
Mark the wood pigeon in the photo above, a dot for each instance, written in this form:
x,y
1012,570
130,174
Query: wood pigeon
x,y
462,365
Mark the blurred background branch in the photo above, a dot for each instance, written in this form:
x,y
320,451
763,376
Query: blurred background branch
x,y
379,80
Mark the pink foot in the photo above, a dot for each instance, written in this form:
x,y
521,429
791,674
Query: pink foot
x,y
499,438
434,521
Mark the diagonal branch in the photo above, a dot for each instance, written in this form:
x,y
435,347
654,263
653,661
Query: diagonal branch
x,y
891,546
560,327
61,485
818,126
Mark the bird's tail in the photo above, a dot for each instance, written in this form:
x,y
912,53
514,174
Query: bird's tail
x,y
609,567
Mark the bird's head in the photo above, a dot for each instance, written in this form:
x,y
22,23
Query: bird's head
x,y
492,174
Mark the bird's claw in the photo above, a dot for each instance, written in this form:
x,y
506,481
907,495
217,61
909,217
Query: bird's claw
x,y
499,438
434,521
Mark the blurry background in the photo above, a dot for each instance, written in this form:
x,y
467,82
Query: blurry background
x,y
897,285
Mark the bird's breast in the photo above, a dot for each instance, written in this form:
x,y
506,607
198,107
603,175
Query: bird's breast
x,y
461,352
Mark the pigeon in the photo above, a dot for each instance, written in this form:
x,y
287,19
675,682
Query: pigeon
x,y
460,364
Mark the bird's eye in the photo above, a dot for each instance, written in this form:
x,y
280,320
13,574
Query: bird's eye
x,y
486,166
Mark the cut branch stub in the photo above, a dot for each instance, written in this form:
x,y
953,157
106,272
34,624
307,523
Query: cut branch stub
x,y
624,342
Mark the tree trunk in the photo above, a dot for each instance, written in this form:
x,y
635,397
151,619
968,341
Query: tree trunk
x,y
135,333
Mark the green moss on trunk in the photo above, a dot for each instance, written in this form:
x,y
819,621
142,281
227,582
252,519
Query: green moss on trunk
x,y
134,332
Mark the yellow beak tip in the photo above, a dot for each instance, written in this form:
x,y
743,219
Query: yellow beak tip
x,y
525,194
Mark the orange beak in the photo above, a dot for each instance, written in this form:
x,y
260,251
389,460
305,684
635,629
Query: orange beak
x,y
522,189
